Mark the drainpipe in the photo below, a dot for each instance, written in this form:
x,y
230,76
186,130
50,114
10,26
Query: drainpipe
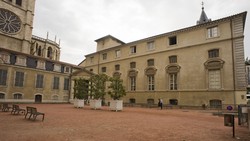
x,y
232,43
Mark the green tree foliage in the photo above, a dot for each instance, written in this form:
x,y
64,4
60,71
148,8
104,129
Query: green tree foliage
x,y
97,86
117,89
81,88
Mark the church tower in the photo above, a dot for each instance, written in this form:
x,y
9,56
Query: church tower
x,y
203,17
16,23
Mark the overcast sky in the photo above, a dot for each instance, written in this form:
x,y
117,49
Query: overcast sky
x,y
77,23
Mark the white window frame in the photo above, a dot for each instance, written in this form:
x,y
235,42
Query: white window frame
x,y
212,32
150,45
151,82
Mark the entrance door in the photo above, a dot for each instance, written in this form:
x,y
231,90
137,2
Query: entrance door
x,y
38,98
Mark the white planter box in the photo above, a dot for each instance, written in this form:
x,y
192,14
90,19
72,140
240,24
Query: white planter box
x,y
78,103
116,105
95,104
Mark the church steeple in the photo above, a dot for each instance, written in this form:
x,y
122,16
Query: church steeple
x,y
203,17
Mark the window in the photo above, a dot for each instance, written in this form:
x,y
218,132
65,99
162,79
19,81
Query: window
x,y
2,96
39,81
172,40
173,81
151,62
104,56
118,53
172,59
19,2
213,53
67,69
66,84
151,82
132,83
133,65
49,53
18,96
3,77
39,51
56,83
133,49
91,60
103,69
91,70
214,79
212,32
150,45
117,67
19,79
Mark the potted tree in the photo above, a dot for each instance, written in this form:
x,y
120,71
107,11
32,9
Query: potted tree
x,y
97,90
80,92
117,91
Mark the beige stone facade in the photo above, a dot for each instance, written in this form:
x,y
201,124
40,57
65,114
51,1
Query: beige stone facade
x,y
202,64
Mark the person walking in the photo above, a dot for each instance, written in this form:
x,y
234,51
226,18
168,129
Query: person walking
x,y
160,103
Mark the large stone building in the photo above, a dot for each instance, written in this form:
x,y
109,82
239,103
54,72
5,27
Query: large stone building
x,y
30,70
202,64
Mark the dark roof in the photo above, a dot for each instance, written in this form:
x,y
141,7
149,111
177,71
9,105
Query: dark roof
x,y
203,17
109,36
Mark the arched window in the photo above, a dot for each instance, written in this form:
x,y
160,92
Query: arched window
x,y
49,52
18,96
2,96
39,51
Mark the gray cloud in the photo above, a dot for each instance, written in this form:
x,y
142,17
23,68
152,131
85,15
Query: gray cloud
x,y
79,22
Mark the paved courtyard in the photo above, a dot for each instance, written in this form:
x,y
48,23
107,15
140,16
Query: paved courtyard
x,y
63,122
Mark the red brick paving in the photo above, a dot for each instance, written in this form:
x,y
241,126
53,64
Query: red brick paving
x,y
63,122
